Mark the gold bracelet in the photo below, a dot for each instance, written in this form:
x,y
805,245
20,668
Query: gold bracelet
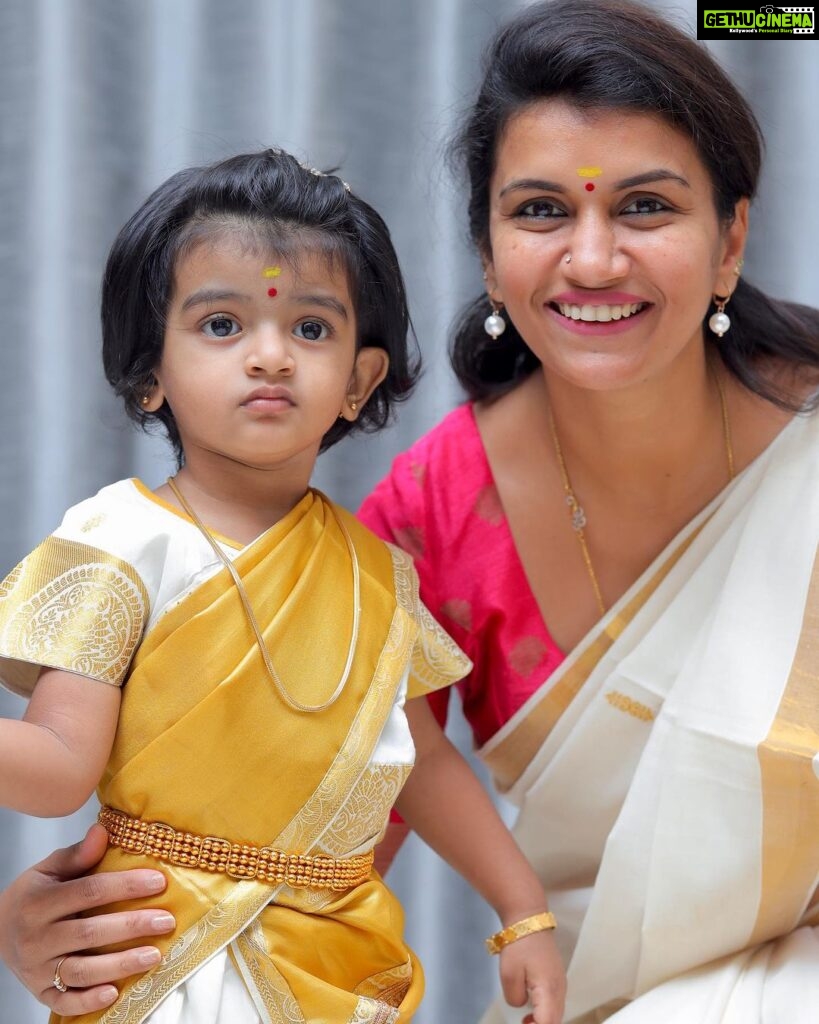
x,y
528,926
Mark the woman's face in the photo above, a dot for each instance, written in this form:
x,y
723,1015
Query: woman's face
x,y
626,197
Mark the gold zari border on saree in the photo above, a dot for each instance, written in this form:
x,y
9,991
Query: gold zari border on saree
x,y
72,607
790,787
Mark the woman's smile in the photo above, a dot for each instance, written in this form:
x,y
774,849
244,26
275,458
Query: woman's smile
x,y
597,313
637,259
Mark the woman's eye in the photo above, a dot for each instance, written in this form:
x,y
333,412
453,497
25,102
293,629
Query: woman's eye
x,y
645,205
312,330
221,327
541,209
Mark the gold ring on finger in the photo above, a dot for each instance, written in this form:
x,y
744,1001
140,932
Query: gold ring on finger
x,y
58,982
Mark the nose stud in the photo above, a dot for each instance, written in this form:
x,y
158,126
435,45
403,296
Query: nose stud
x,y
568,258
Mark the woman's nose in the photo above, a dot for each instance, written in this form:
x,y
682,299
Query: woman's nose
x,y
597,258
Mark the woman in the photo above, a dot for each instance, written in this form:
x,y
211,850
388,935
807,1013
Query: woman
x,y
603,530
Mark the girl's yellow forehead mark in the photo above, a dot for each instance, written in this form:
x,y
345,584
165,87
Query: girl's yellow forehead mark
x,y
271,271
589,172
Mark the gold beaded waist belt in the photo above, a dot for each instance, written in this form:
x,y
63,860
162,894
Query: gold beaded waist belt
x,y
237,860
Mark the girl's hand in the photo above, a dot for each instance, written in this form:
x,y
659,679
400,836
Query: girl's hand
x,y
531,970
39,927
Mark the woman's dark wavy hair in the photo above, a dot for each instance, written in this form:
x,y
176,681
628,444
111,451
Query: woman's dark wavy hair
x,y
289,209
617,54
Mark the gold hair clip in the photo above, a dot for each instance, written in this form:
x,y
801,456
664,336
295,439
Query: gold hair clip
x,y
321,174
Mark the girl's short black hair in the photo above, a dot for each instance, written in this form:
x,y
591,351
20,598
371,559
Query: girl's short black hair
x,y
621,55
286,205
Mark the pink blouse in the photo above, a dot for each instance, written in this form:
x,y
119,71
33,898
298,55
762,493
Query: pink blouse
x,y
440,504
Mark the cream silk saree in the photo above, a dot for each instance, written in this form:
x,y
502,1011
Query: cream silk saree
x,y
207,745
667,774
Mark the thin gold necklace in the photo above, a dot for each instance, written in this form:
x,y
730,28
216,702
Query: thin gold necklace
x,y
254,625
578,516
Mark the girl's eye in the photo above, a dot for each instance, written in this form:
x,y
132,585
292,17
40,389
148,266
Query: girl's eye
x,y
541,209
645,205
312,330
221,327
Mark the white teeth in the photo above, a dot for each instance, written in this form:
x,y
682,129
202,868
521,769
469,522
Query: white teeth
x,y
600,314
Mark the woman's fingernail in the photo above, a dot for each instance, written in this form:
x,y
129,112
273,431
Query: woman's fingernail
x,y
149,957
107,995
155,883
163,923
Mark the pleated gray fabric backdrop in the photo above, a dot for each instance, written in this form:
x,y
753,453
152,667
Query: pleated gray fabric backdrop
x,y
102,99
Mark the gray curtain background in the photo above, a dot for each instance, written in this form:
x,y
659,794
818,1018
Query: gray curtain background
x,y
100,100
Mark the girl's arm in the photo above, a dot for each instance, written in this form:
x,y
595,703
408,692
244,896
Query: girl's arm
x,y
447,806
387,849
51,761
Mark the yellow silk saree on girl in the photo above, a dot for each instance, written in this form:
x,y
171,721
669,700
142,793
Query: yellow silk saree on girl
x,y
668,773
264,815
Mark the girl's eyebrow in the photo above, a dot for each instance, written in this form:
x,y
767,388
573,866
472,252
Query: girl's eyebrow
x,y
542,185
207,296
327,301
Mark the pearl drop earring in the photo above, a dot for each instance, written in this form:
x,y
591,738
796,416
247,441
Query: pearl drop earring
x,y
494,324
720,322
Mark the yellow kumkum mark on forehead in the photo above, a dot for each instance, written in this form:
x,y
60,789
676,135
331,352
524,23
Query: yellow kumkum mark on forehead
x,y
271,271
589,172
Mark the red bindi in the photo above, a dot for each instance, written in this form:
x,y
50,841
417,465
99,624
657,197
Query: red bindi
x,y
272,292
590,186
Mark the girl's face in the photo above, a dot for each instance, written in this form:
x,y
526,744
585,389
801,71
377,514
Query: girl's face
x,y
629,200
259,356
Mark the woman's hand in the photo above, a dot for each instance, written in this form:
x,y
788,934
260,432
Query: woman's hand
x,y
531,970
39,927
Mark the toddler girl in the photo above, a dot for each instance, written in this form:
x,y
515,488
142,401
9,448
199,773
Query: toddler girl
x,y
254,309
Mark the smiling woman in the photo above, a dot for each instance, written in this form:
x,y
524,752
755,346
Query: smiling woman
x,y
610,287
560,257
601,527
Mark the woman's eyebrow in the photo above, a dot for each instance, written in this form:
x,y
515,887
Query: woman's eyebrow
x,y
539,184
207,296
658,174
543,185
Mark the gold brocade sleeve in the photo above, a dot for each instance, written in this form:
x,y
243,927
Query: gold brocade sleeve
x,y
437,661
73,607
